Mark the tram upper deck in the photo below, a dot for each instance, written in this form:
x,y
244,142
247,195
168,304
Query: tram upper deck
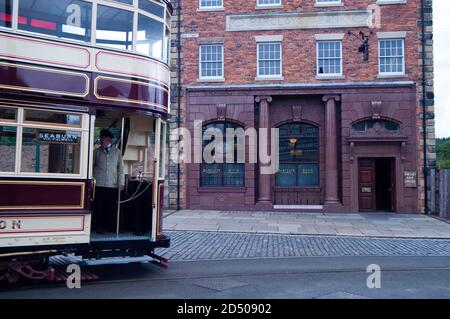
x,y
96,52
67,69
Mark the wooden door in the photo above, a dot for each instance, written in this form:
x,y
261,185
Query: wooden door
x,y
393,187
366,189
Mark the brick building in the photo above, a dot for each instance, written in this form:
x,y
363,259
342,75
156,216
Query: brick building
x,y
348,83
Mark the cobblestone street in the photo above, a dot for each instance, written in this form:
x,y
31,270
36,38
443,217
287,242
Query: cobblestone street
x,y
200,245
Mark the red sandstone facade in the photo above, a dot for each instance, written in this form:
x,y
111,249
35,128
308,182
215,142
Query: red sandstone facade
x,y
369,142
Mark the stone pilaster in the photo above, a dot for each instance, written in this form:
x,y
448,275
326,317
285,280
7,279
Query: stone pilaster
x,y
331,151
264,196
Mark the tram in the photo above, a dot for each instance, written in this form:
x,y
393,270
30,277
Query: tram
x,y
68,69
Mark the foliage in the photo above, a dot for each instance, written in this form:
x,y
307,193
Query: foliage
x,y
443,152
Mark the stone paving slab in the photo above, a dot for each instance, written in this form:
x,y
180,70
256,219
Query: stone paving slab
x,y
371,224
201,245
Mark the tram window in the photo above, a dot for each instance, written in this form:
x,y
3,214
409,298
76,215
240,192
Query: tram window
x,y
168,16
50,151
8,140
130,2
5,13
167,45
52,117
151,7
150,37
7,113
63,18
114,28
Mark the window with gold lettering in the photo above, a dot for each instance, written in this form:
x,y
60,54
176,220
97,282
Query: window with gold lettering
x,y
42,143
299,155
221,172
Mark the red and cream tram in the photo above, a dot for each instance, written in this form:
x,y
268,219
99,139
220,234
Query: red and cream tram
x,y
69,68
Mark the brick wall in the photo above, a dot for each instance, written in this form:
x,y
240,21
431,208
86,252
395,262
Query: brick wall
x,y
299,49
299,57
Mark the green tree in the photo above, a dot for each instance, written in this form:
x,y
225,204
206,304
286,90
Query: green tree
x,y
443,152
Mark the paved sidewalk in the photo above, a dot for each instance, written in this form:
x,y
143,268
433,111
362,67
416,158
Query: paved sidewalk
x,y
371,224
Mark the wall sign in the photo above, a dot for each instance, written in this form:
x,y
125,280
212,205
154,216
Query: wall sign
x,y
300,20
410,179
366,190
51,137
189,35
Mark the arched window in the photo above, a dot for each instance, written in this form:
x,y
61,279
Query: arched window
x,y
299,155
376,125
222,174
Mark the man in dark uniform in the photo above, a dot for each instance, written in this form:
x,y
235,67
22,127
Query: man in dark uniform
x,y
108,171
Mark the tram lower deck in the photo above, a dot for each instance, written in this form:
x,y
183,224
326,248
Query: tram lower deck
x,y
43,216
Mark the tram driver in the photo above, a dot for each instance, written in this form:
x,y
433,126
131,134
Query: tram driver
x,y
108,170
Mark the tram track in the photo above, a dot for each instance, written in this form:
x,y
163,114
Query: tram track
x,y
168,276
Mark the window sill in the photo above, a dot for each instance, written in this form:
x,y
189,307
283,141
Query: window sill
x,y
211,9
391,2
212,80
321,5
266,78
330,77
269,7
392,76
203,189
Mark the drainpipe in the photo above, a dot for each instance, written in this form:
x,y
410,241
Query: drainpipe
x,y
179,100
424,108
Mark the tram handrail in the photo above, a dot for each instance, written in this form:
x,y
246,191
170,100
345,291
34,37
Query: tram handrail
x,y
134,196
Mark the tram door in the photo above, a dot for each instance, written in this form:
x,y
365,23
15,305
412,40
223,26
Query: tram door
x,y
136,137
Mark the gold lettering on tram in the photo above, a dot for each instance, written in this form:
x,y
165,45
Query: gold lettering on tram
x,y
16,224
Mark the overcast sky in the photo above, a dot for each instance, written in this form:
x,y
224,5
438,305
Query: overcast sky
x,y
442,66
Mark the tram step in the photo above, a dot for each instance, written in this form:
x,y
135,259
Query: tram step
x,y
116,260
